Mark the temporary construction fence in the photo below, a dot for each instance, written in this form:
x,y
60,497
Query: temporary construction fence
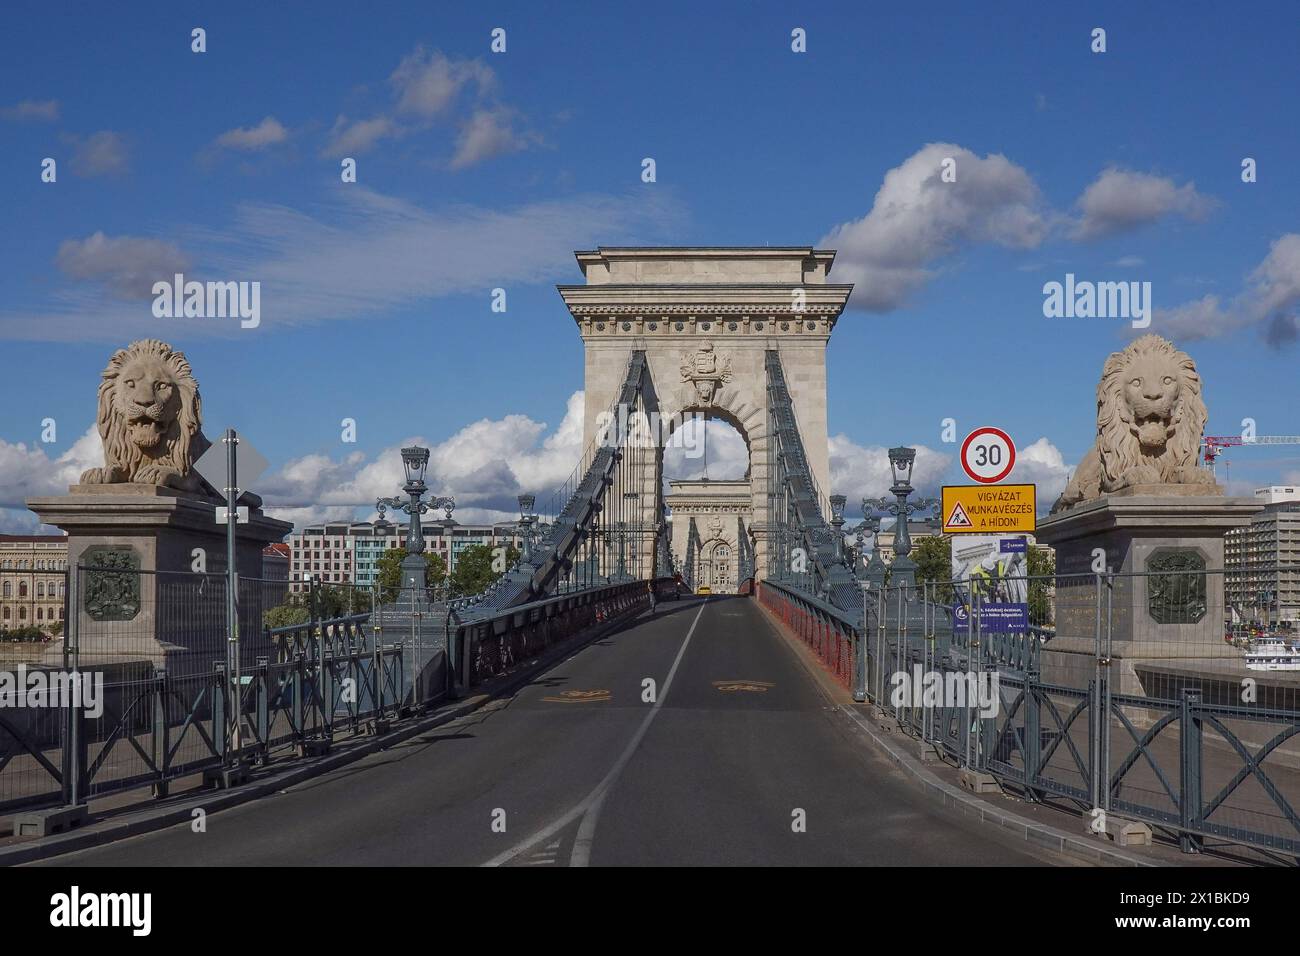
x,y
1140,696
147,687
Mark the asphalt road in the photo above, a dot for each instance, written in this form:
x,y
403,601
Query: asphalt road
x,y
740,760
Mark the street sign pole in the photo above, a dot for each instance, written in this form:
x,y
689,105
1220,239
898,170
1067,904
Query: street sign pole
x,y
225,476
232,592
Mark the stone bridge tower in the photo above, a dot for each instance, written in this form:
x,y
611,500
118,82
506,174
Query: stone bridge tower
x,y
705,317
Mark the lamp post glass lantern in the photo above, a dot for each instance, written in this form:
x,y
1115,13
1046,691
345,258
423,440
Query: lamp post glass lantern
x,y
901,461
415,461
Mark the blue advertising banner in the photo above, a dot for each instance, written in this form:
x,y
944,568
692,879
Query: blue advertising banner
x,y
995,618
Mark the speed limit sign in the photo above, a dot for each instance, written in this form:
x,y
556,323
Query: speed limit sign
x,y
988,455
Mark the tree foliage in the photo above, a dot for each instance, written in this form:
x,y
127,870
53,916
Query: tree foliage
x,y
1041,562
933,557
29,632
389,574
478,566
284,615
332,601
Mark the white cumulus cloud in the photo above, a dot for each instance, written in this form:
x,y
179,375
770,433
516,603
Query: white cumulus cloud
x,y
1041,464
27,471
862,471
269,132
484,466
348,137
1270,302
100,154
1120,200
488,133
128,265
917,217
427,83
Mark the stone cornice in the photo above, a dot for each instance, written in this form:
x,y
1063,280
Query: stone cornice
x,y
729,299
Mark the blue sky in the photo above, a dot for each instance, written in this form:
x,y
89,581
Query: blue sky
x,y
478,170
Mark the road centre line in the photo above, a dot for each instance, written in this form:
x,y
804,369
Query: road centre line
x,y
589,808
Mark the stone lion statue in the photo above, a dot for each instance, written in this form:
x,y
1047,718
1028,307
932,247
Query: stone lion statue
x,y
150,418
1150,416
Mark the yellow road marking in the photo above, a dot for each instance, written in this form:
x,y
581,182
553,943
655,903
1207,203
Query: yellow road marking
x,y
579,697
754,686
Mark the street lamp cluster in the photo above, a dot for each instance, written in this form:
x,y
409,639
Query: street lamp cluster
x,y
874,510
531,528
415,461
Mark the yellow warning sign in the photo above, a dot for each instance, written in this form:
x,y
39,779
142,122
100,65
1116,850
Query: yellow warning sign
x,y
989,509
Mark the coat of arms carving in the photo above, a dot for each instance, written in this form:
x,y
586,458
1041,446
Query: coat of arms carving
x,y
707,371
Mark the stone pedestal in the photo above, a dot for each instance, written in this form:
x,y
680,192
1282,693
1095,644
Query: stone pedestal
x,y
1166,601
137,596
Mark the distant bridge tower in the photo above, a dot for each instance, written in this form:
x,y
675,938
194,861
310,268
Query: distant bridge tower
x,y
706,318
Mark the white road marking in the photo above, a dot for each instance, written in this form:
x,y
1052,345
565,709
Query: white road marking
x,y
589,808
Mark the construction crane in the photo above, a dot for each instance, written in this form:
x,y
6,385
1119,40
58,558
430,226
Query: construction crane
x,y
1213,445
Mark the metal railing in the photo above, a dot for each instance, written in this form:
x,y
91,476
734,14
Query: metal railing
x,y
1122,694
803,548
486,647
315,669
145,695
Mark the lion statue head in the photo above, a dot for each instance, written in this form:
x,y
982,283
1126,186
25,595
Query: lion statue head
x,y
1150,418
150,418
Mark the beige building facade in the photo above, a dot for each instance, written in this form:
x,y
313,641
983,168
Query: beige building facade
x,y
33,581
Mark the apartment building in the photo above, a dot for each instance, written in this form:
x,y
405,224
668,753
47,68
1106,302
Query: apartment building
x,y
1262,560
349,553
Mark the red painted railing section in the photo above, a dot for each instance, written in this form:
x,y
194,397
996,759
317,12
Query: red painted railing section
x,y
828,639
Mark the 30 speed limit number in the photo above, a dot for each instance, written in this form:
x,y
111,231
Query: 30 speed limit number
x,y
988,454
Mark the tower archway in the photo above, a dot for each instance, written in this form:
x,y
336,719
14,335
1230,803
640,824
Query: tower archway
x,y
706,318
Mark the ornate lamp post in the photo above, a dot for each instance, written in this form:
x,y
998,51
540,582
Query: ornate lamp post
x,y
527,522
414,568
620,570
837,521
874,569
414,462
901,460
631,499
